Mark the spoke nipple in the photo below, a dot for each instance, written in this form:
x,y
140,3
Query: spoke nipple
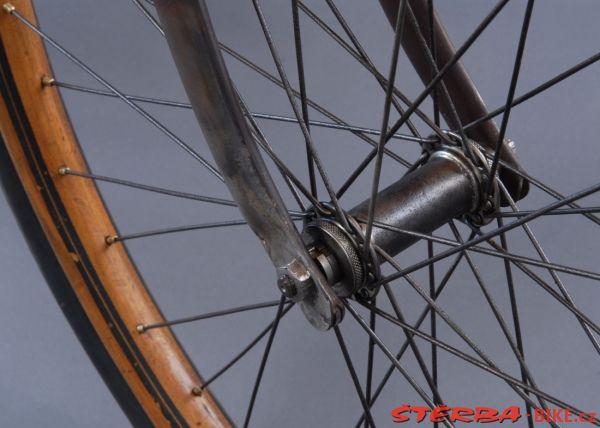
x,y
140,328
197,391
48,81
64,170
8,8
111,239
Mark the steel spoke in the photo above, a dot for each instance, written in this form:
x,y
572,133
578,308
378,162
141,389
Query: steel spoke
x,y
291,97
537,90
355,380
433,323
436,119
118,238
437,78
514,382
390,356
413,346
564,211
511,94
149,16
448,320
503,326
366,61
580,315
371,351
263,361
255,115
552,272
189,150
169,192
398,31
302,87
141,328
442,86
244,351
515,315
417,324
311,103
500,254
491,234
293,183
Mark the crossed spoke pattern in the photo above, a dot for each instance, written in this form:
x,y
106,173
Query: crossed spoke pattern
x,y
303,107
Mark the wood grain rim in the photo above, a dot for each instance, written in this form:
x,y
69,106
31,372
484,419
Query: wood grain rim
x,y
64,218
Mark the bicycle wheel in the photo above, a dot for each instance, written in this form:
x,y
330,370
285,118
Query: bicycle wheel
x,y
90,271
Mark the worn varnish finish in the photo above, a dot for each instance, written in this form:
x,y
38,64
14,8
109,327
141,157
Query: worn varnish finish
x,y
39,139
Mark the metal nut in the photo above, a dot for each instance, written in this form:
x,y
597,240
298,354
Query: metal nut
x,y
287,286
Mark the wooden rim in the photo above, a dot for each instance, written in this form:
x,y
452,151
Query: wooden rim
x,y
39,140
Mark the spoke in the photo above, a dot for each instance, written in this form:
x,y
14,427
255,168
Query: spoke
x,y
263,362
413,346
331,125
291,97
433,324
355,381
580,315
537,90
470,243
160,190
101,92
302,87
399,28
436,118
417,324
420,320
184,195
255,115
504,327
515,315
244,351
141,328
564,211
552,272
261,139
448,320
442,86
366,61
149,16
455,58
369,385
547,189
500,254
253,66
389,355
511,94
117,238
433,49
189,150
436,79
486,367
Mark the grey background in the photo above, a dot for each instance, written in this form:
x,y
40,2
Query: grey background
x,y
46,378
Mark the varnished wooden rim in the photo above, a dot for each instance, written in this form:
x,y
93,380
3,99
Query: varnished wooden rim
x,y
149,371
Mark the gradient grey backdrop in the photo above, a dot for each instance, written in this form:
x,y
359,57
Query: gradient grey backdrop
x,y
46,379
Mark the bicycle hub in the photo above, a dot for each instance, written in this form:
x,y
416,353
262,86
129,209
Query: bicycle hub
x,y
447,186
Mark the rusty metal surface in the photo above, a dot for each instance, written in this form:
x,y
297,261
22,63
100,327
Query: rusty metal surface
x,y
446,187
195,50
465,96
